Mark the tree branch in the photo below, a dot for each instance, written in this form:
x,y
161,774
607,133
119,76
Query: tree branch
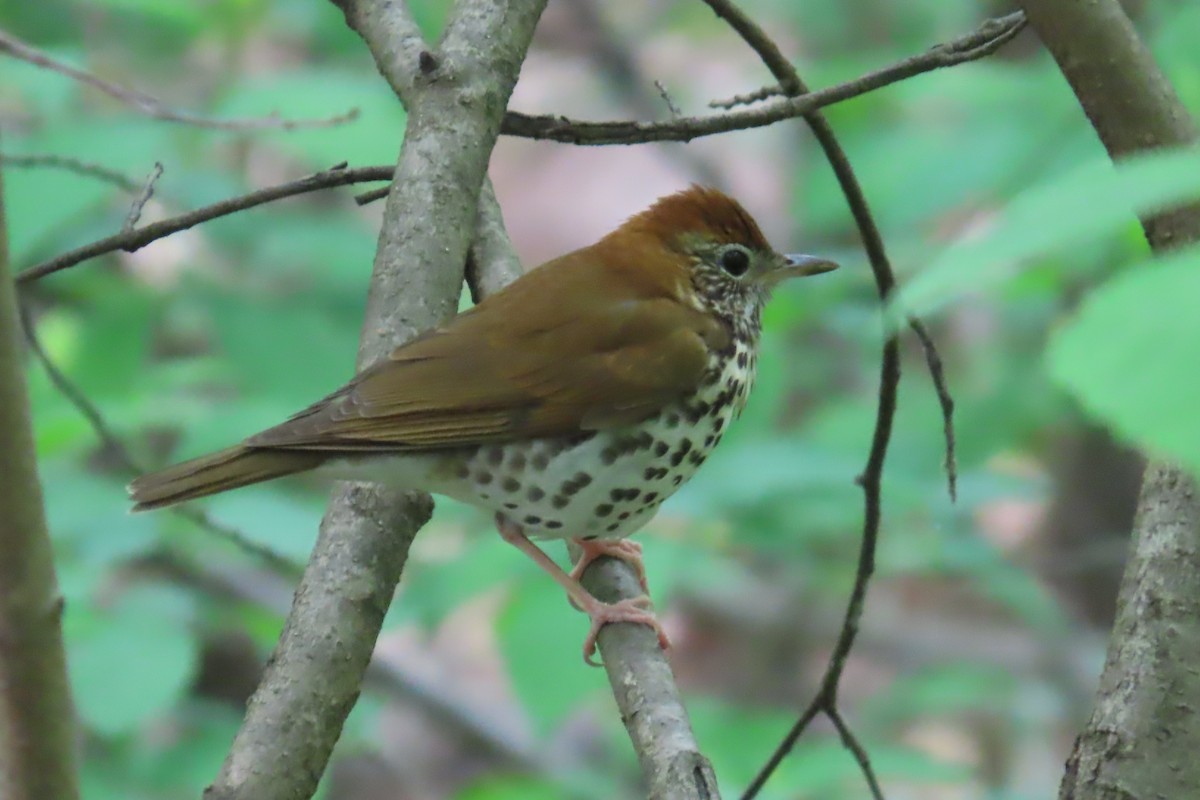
x,y
1142,738
981,42
152,106
454,114
132,240
37,736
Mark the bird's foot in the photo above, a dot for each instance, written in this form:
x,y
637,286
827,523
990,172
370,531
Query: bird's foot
x,y
624,549
638,610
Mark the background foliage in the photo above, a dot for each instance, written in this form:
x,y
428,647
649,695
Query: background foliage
x,y
984,628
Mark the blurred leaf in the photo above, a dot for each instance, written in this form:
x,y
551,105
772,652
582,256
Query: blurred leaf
x,y
1131,352
308,94
540,637
510,789
129,665
945,689
1092,201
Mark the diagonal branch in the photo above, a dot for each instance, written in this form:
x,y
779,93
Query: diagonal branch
x,y
152,106
132,240
454,111
977,44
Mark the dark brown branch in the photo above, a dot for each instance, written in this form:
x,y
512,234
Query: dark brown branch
x,y
133,240
79,167
791,84
981,42
152,106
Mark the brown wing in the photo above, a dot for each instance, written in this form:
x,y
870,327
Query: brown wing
x,y
570,347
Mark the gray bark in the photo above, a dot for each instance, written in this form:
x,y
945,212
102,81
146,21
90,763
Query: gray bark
x,y
454,113
1142,739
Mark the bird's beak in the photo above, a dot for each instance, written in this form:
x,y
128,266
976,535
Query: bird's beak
x,y
801,266
796,266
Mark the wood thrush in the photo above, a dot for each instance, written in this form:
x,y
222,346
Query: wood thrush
x,y
572,403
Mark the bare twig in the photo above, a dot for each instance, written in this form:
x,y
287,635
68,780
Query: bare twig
x,y
666,96
133,240
78,166
115,448
870,479
979,43
152,106
135,211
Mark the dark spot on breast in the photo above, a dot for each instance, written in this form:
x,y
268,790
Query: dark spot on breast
x,y
678,479
589,538
672,420
533,520
510,485
650,497
697,457
540,461
742,358
553,524
624,515
644,440
495,455
613,527
609,454
708,440
517,462
483,477
661,448
603,510
718,425
462,471
579,438
649,474
535,494
560,501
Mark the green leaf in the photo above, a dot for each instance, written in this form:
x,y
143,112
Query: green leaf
x,y
129,665
1130,356
540,637
1094,200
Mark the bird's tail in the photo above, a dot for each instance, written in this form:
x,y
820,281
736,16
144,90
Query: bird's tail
x,y
225,469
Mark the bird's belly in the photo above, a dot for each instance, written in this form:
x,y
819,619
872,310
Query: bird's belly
x,y
603,484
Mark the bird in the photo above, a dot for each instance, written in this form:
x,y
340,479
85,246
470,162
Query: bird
x,y
570,404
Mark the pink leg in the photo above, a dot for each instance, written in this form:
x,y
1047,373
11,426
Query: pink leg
x,y
635,609
627,551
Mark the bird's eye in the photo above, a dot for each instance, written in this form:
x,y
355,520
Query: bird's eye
x,y
735,261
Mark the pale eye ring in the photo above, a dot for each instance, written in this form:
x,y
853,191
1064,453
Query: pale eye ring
x,y
735,260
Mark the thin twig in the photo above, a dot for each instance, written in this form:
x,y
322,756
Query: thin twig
x,y
851,743
793,85
666,96
758,95
115,448
152,106
977,44
78,166
135,210
133,240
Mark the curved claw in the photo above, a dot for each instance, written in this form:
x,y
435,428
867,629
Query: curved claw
x,y
631,609
628,551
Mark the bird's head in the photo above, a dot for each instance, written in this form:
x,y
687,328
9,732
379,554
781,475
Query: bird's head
x,y
717,253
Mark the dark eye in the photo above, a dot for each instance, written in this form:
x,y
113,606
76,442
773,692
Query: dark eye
x,y
735,261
